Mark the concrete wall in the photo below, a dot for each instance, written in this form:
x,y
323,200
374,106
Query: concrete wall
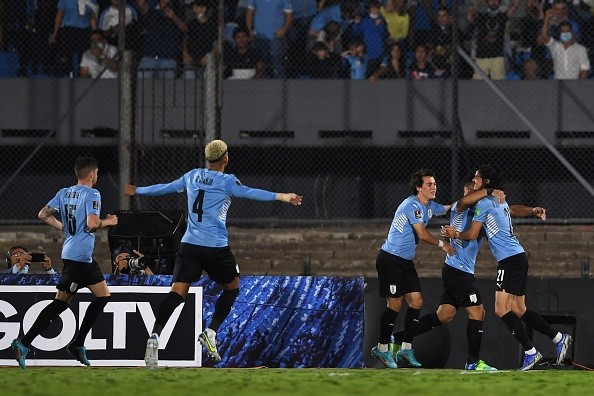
x,y
386,110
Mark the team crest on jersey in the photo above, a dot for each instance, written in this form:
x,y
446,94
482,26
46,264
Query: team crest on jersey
x,y
429,213
417,214
392,289
95,205
473,298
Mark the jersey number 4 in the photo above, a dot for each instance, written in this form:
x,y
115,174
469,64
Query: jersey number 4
x,y
197,205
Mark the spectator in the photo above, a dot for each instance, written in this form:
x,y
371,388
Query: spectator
x,y
19,259
201,38
441,35
393,64
242,61
530,26
101,60
322,63
343,13
529,71
331,36
397,19
269,22
109,21
136,31
560,14
163,41
29,24
421,13
421,68
303,13
441,67
570,59
72,27
372,29
490,28
356,58
127,261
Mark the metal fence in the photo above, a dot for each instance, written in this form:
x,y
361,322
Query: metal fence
x,y
348,146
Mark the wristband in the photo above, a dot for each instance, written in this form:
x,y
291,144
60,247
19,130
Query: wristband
x,y
440,243
490,191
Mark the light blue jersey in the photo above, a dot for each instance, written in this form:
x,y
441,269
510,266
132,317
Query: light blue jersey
x,y
465,257
269,16
498,226
75,204
402,239
209,198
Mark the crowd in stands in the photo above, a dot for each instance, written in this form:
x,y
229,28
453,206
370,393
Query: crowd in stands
x,y
306,39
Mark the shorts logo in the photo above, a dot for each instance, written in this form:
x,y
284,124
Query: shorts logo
x,y
473,298
392,289
73,287
417,214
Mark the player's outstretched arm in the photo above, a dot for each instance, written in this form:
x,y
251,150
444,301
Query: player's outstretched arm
x,y
527,211
289,198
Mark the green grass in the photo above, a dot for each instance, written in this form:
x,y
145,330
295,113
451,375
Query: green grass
x,y
81,381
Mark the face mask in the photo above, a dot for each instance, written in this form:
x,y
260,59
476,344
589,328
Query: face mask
x,y
565,37
100,45
493,10
199,16
374,16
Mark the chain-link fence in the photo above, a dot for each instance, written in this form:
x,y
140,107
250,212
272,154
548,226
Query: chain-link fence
x,y
174,76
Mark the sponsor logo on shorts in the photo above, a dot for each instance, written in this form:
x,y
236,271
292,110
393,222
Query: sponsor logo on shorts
x,y
473,298
392,289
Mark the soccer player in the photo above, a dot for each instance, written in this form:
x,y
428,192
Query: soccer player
x,y
205,245
79,207
512,269
460,288
396,271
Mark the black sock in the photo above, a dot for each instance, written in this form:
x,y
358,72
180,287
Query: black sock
x,y
166,310
515,326
387,325
474,334
93,311
46,316
411,324
427,322
538,323
222,308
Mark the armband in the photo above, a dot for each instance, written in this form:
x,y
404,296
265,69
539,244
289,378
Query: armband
x,y
440,243
490,191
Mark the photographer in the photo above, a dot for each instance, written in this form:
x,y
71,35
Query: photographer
x,y
19,259
123,262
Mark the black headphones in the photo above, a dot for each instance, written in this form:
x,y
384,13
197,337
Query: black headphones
x,y
9,254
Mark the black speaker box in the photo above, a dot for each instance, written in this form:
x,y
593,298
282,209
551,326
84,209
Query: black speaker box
x,y
153,233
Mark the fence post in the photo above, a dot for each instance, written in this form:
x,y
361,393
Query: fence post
x,y
126,122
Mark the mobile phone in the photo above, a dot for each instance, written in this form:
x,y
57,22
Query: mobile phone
x,y
37,257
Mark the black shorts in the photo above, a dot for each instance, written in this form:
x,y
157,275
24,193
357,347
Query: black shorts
x,y
512,274
76,275
397,276
460,289
219,264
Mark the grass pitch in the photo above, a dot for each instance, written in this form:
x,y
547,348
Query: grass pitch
x,y
82,381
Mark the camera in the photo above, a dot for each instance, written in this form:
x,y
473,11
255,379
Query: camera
x,y
136,263
37,257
